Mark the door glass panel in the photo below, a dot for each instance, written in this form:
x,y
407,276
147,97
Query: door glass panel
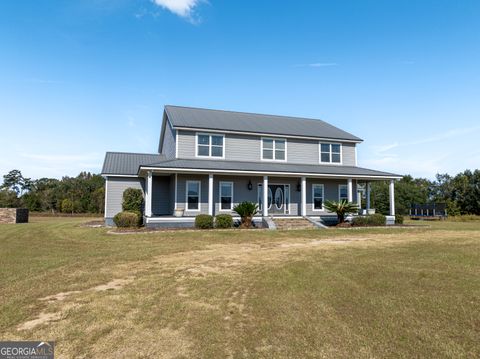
x,y
269,198
260,197
279,198
287,199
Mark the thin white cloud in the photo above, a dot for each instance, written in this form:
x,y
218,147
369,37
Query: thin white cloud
x,y
425,140
317,64
182,8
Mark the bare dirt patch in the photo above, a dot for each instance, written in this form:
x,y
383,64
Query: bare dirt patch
x,y
43,318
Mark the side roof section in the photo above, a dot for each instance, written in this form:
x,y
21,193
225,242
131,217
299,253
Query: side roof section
x,y
125,163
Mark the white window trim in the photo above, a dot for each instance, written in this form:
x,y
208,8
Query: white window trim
x,y
273,139
330,162
220,196
199,195
210,145
342,184
323,197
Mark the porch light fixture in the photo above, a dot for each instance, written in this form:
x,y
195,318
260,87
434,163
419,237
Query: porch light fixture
x,y
249,186
299,186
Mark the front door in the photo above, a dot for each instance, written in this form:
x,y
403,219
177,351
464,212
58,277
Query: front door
x,y
276,199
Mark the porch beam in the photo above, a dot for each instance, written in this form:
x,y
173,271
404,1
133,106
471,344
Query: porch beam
x,y
392,197
210,194
304,196
148,195
350,190
265,196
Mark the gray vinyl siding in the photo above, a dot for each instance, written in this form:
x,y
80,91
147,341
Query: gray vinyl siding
x,y
186,144
348,154
248,148
240,190
331,193
114,193
161,195
181,193
169,142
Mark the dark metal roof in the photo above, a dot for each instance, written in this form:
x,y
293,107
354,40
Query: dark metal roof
x,y
124,163
268,167
254,123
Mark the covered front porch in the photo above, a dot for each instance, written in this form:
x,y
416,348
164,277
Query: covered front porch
x,y
174,199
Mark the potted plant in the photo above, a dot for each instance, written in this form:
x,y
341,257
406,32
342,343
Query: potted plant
x,y
371,211
178,212
341,208
246,210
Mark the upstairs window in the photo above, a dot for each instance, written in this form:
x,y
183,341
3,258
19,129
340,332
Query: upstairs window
x,y
210,145
274,149
330,153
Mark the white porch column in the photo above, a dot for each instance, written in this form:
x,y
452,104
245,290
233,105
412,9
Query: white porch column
x,y
265,196
350,190
392,197
175,205
148,195
368,195
210,194
304,197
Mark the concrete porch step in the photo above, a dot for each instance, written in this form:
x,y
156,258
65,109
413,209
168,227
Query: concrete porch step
x,y
293,223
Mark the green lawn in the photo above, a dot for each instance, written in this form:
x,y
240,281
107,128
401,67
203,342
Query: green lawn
x,y
367,293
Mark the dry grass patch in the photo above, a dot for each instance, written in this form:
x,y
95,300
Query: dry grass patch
x,y
296,294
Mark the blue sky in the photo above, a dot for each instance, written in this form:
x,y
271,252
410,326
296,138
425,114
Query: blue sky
x,y
79,78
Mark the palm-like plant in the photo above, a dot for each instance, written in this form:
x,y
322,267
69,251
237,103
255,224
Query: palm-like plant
x,y
246,210
341,208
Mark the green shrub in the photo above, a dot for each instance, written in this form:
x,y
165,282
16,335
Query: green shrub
x,y
132,200
360,221
204,221
398,219
223,221
376,219
128,219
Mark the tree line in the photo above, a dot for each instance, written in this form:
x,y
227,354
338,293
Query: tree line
x,y
82,194
86,193
460,193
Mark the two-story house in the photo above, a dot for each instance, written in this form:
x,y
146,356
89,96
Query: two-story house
x,y
210,160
